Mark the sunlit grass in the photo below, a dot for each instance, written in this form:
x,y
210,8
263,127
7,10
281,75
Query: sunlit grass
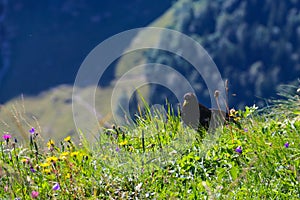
x,y
160,158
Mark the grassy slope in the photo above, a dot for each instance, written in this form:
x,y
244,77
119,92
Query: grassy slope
x,y
136,58
154,160
51,110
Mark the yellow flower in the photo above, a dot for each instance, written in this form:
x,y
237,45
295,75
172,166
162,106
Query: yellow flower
x,y
104,157
68,176
47,171
237,119
233,112
123,143
63,155
50,143
131,148
24,160
67,139
81,154
45,164
52,159
75,153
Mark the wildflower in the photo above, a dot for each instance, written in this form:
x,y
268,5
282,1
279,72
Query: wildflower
x,y
138,187
117,149
245,129
6,137
67,139
131,148
238,149
63,155
233,112
81,154
45,164
56,186
47,171
286,145
123,143
50,143
104,157
5,188
32,170
52,159
24,160
34,194
74,154
68,176
32,131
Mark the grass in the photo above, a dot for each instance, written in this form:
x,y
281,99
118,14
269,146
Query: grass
x,y
160,158
50,110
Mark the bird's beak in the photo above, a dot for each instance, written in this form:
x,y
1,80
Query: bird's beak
x,y
184,103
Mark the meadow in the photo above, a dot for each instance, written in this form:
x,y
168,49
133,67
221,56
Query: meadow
x,y
160,158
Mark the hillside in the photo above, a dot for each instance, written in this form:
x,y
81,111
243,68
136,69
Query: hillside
x,y
255,45
51,112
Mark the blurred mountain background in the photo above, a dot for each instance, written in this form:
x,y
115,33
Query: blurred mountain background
x,y
254,43
44,42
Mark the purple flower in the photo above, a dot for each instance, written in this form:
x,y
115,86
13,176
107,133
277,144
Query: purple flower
x,y
117,149
6,137
56,186
34,194
245,129
286,145
238,149
32,131
32,170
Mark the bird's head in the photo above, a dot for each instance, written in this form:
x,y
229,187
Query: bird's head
x,y
188,98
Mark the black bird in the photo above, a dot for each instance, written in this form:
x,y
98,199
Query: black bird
x,y
196,115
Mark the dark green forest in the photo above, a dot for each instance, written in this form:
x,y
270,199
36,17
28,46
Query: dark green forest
x,y
254,43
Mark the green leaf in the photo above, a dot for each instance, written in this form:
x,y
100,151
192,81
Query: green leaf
x,y
297,112
220,173
234,172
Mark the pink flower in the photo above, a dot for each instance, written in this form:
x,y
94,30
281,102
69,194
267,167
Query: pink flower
x,y
5,188
6,137
34,194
